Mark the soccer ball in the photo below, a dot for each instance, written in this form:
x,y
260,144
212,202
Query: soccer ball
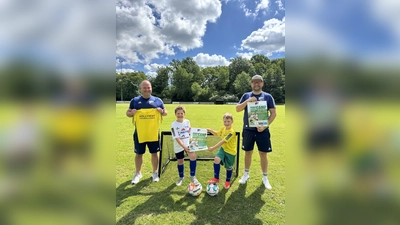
x,y
195,190
212,189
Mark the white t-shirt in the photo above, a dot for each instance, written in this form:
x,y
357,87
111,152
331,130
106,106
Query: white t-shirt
x,y
182,131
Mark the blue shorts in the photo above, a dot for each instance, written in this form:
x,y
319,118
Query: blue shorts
x,y
140,148
262,139
181,155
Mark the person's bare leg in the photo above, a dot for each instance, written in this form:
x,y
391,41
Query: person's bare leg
x,y
138,165
247,163
138,162
263,162
154,161
247,159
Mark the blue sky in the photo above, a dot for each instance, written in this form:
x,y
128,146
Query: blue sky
x,y
152,33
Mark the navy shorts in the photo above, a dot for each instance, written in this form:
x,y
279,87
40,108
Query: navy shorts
x,y
180,155
262,139
140,148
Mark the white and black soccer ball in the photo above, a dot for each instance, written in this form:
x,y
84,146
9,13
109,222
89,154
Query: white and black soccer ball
x,y
195,190
212,189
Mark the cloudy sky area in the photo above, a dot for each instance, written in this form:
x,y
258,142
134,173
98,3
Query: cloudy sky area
x,y
152,33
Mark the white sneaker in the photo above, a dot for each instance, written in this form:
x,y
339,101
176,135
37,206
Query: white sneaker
x,y
179,182
244,178
266,183
136,178
155,177
194,180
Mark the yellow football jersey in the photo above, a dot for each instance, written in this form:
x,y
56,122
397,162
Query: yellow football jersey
x,y
147,123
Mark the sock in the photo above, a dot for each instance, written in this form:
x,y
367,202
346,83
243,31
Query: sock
x,y
265,174
216,170
246,171
180,170
228,175
193,167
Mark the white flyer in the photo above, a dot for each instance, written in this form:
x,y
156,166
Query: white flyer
x,y
257,113
198,139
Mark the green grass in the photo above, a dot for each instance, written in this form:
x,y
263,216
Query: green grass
x,y
166,203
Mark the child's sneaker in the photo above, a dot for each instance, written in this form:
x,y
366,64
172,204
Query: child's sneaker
x,y
213,181
227,185
179,182
195,181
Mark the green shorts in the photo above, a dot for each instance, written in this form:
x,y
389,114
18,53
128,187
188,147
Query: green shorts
x,y
227,160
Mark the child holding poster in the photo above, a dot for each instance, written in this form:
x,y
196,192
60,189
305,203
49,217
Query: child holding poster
x,y
180,130
227,150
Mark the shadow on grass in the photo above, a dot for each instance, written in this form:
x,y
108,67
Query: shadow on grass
x,y
159,203
126,189
237,209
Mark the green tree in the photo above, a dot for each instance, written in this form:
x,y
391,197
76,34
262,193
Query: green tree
x,y
223,78
160,82
128,84
274,83
181,80
260,68
242,84
259,58
237,66
199,93
280,62
191,67
186,81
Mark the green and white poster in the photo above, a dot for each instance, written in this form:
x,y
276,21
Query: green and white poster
x,y
257,113
198,139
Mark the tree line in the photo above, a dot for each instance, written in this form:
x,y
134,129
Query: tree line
x,y
186,81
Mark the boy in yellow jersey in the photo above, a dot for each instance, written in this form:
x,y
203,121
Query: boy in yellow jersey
x,y
227,152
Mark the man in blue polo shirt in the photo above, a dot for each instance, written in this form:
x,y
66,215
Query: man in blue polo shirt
x,y
145,101
260,134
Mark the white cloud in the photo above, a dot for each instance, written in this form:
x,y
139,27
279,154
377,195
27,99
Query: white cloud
x,y
125,70
268,39
148,29
246,55
247,11
206,60
151,74
280,4
262,6
153,66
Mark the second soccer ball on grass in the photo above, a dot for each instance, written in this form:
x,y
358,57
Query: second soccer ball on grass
x,y
212,189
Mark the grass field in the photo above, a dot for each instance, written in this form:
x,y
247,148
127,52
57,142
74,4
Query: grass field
x,y
166,203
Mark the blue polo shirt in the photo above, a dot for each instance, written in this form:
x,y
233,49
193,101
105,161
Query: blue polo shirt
x,y
146,103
